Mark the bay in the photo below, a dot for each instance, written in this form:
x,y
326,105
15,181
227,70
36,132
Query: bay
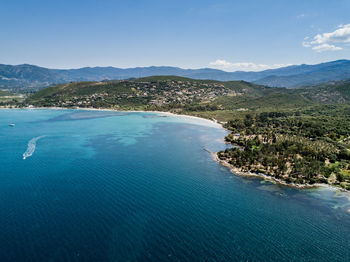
x,y
138,186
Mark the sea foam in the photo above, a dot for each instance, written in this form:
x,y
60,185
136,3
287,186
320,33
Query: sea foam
x,y
31,147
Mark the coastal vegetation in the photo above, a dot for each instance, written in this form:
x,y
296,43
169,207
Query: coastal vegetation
x,y
299,136
8,98
302,147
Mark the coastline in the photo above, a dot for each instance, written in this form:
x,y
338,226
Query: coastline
x,y
212,122
238,172
214,155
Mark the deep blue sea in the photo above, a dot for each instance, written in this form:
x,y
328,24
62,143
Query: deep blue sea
x,y
114,186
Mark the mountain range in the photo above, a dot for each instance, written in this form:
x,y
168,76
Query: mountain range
x,y
34,77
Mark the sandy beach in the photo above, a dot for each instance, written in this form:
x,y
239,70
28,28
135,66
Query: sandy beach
x,y
210,122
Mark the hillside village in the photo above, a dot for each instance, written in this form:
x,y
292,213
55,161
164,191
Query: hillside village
x,y
118,93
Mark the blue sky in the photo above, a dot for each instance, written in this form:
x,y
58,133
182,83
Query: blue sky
x,y
231,35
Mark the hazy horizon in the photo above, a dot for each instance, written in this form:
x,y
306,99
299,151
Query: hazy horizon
x,y
146,66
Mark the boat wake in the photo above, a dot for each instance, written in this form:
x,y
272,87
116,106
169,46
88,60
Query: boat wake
x,y
31,147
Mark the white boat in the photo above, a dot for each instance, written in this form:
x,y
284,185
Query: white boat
x,y
11,124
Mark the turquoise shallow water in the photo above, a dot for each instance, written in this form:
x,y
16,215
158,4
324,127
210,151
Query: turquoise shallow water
x,y
108,186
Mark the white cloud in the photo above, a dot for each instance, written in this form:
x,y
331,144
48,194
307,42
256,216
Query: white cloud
x,y
326,41
242,66
326,47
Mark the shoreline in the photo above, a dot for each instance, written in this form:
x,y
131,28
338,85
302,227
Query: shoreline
x,y
238,172
209,121
214,155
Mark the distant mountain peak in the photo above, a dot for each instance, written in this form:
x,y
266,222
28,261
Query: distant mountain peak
x,y
32,76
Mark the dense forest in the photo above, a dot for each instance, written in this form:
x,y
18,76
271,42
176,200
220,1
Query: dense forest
x,y
307,146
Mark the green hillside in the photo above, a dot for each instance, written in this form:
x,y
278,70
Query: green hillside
x,y
165,92
185,94
208,97
9,98
328,93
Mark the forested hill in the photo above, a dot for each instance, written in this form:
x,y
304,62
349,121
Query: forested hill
x,y
330,92
178,92
149,92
